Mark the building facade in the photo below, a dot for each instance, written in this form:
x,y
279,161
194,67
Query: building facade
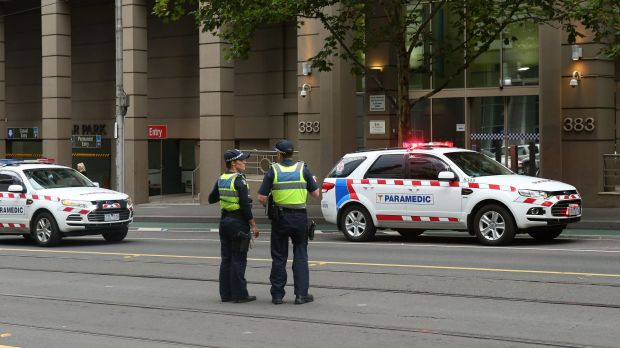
x,y
57,99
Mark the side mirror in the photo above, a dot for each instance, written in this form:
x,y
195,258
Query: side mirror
x,y
96,184
446,176
16,188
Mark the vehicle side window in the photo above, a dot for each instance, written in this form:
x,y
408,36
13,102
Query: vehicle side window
x,y
424,167
345,167
7,179
387,167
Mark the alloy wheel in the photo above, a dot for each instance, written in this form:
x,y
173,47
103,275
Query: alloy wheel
x,y
355,223
492,225
44,230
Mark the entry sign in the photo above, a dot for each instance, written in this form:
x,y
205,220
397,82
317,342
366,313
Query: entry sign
x,y
86,141
22,133
158,131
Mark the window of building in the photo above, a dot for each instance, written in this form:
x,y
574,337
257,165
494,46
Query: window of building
x,y
387,167
439,119
520,56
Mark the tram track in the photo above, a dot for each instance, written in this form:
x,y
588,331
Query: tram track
x,y
305,320
106,335
340,288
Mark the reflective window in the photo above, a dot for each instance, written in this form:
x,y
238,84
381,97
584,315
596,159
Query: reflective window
x,y
523,133
419,62
485,70
487,127
446,37
448,114
387,167
421,121
521,55
425,167
345,167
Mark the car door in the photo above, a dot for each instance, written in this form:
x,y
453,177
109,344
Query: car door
x,y
434,204
13,214
383,187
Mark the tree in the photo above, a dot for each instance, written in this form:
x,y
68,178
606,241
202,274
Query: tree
x,y
406,25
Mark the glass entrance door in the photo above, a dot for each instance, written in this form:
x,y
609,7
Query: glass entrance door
x,y
507,130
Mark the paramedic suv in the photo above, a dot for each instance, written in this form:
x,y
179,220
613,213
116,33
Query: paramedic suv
x,y
46,202
437,187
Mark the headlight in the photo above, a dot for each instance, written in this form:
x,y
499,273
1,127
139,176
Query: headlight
x,y
534,194
79,204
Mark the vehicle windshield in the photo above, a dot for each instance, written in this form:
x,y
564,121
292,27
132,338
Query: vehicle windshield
x,y
476,164
50,178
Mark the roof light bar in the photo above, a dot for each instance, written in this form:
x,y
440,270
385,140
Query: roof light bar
x,y
414,145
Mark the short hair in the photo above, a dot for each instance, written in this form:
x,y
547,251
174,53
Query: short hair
x,y
228,165
286,154
81,165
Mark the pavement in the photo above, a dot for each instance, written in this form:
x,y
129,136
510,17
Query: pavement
x,y
593,218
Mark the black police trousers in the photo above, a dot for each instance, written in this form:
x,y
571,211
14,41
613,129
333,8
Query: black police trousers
x,y
291,224
233,285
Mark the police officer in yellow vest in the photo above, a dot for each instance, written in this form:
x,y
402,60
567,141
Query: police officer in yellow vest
x,y
232,191
289,183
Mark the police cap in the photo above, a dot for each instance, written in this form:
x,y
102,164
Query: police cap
x,y
234,154
284,146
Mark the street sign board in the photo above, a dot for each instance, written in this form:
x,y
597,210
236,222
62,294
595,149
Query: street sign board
x,y
86,141
158,131
22,133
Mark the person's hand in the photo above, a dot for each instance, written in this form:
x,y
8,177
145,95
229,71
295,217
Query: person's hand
x,y
255,231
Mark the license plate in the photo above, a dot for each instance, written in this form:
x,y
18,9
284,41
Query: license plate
x,y
574,209
111,217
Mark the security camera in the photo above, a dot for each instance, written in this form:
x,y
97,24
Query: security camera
x,y
574,83
305,89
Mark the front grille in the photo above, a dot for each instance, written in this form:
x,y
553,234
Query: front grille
x,y
99,214
559,209
563,193
74,217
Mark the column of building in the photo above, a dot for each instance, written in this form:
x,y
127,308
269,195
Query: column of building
x,y
135,53
589,119
326,114
2,88
217,124
56,80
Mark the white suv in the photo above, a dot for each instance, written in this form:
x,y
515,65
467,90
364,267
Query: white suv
x,y
46,202
433,187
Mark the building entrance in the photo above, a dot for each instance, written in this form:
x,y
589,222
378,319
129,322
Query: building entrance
x,y
171,166
507,129
24,149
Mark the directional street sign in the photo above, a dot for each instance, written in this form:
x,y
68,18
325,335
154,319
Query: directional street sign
x,y
86,141
22,133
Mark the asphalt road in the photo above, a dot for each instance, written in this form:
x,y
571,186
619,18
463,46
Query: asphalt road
x,y
159,289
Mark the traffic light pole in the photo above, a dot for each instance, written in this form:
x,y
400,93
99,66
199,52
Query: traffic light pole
x,y
121,102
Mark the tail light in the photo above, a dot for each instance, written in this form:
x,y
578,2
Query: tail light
x,y
327,186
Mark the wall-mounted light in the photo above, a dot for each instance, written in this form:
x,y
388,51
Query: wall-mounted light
x,y
574,82
306,69
376,68
524,68
305,89
576,52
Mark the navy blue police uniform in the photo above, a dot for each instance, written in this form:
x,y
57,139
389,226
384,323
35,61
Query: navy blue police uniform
x,y
234,231
292,223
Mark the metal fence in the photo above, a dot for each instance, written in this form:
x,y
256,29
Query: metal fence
x,y
611,173
260,161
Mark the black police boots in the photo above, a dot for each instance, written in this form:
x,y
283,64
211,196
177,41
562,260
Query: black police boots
x,y
304,299
247,299
276,300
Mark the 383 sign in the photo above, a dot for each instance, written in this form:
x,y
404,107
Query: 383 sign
x,y
579,124
309,127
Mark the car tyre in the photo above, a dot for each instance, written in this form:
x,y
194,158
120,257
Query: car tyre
x,y
546,234
28,237
494,225
409,233
356,224
116,235
45,230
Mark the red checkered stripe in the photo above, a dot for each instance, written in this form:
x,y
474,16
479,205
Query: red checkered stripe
x,y
416,218
113,205
12,226
76,210
25,196
546,202
431,183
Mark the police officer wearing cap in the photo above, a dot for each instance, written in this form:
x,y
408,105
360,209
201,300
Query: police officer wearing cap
x,y
232,191
289,183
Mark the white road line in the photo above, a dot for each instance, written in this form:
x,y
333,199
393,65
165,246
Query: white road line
x,y
149,229
408,245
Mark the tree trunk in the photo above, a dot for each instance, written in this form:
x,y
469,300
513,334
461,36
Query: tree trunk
x,y
404,107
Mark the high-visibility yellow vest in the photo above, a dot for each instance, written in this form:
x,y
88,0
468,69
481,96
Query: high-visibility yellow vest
x,y
289,186
229,197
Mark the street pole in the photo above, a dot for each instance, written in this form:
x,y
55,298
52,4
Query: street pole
x,y
120,101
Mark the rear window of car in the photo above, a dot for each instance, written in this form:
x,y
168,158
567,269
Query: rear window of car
x,y
387,167
346,166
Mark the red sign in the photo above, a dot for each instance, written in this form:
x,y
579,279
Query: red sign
x,y
158,131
